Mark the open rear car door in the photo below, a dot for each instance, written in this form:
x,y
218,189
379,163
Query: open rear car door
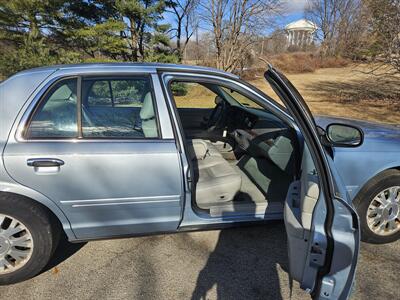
x,y
322,227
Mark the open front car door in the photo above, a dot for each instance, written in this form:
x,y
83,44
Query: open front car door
x,y
322,226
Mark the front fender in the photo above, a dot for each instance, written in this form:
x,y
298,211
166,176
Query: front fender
x,y
357,168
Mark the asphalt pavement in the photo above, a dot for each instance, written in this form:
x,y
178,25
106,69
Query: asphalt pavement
x,y
237,263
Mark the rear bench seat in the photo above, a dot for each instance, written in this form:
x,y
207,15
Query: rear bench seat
x,y
217,181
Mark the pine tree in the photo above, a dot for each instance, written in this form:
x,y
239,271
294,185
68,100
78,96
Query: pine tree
x,y
142,18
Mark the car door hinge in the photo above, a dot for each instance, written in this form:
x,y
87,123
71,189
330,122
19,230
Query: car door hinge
x,y
327,287
189,179
317,255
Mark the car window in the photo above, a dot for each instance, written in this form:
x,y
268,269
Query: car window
x,y
100,94
56,116
240,98
128,93
192,95
118,108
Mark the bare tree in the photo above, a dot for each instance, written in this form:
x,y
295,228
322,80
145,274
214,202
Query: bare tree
x,y
383,42
184,22
338,22
236,25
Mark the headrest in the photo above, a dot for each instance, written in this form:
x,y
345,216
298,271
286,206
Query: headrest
x,y
65,92
218,100
147,110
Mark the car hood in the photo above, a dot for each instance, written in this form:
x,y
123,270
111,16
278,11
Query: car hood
x,y
373,132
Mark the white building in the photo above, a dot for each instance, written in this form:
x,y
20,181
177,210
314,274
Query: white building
x,y
300,33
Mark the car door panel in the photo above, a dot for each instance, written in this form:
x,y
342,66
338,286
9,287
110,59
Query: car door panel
x,y
323,250
106,188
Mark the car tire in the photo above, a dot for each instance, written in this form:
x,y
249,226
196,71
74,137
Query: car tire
x,y
370,210
33,244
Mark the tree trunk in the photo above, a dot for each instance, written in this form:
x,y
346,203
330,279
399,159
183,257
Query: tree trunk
x,y
134,40
178,39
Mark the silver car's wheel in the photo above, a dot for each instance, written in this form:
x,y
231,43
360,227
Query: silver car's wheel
x,y
27,238
377,205
16,244
383,216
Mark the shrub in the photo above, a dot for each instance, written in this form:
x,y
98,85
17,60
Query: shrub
x,y
297,62
179,89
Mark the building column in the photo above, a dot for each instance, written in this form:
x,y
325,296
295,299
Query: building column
x,y
302,39
294,38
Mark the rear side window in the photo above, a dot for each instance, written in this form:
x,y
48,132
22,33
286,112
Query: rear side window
x,y
110,108
56,116
129,93
100,94
118,108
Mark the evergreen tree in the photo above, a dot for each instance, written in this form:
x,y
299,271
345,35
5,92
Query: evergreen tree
x,y
43,32
142,18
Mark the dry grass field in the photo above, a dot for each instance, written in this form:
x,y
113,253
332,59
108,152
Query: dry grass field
x,y
346,92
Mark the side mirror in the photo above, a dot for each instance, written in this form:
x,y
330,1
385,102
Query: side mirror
x,y
344,135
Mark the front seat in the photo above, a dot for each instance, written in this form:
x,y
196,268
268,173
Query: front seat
x,y
216,116
148,117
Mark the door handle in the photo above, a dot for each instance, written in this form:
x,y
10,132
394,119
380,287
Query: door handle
x,y
44,162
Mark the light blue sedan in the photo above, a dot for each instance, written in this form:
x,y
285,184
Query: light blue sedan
x,y
371,174
115,150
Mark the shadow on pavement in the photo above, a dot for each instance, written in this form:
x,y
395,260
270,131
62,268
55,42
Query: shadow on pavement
x,y
63,251
244,264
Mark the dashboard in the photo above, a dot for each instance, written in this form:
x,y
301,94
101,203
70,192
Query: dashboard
x,y
251,118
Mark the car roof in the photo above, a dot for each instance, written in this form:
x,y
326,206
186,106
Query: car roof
x,y
146,67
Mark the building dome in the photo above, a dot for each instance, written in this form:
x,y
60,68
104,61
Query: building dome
x,y
302,24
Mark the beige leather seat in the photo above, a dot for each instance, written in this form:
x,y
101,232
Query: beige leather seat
x,y
199,149
217,181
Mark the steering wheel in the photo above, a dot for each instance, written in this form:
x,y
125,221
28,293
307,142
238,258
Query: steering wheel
x,y
217,113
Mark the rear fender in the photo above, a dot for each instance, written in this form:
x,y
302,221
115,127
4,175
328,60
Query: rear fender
x,y
6,187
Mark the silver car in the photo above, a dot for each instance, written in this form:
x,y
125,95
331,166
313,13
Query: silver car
x,y
115,150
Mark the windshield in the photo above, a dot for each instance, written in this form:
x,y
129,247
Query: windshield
x,y
240,98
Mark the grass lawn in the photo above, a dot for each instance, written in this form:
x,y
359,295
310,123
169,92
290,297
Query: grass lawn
x,y
347,92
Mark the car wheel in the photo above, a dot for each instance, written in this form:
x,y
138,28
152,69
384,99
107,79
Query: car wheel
x,y
378,206
27,238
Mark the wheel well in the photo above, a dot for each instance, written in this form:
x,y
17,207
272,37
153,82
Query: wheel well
x,y
53,218
374,178
388,170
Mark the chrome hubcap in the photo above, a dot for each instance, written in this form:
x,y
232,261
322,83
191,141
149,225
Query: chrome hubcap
x,y
383,215
16,244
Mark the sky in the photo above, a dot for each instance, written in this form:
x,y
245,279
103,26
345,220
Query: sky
x,y
294,10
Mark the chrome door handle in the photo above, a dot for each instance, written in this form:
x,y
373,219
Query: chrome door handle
x,y
44,162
